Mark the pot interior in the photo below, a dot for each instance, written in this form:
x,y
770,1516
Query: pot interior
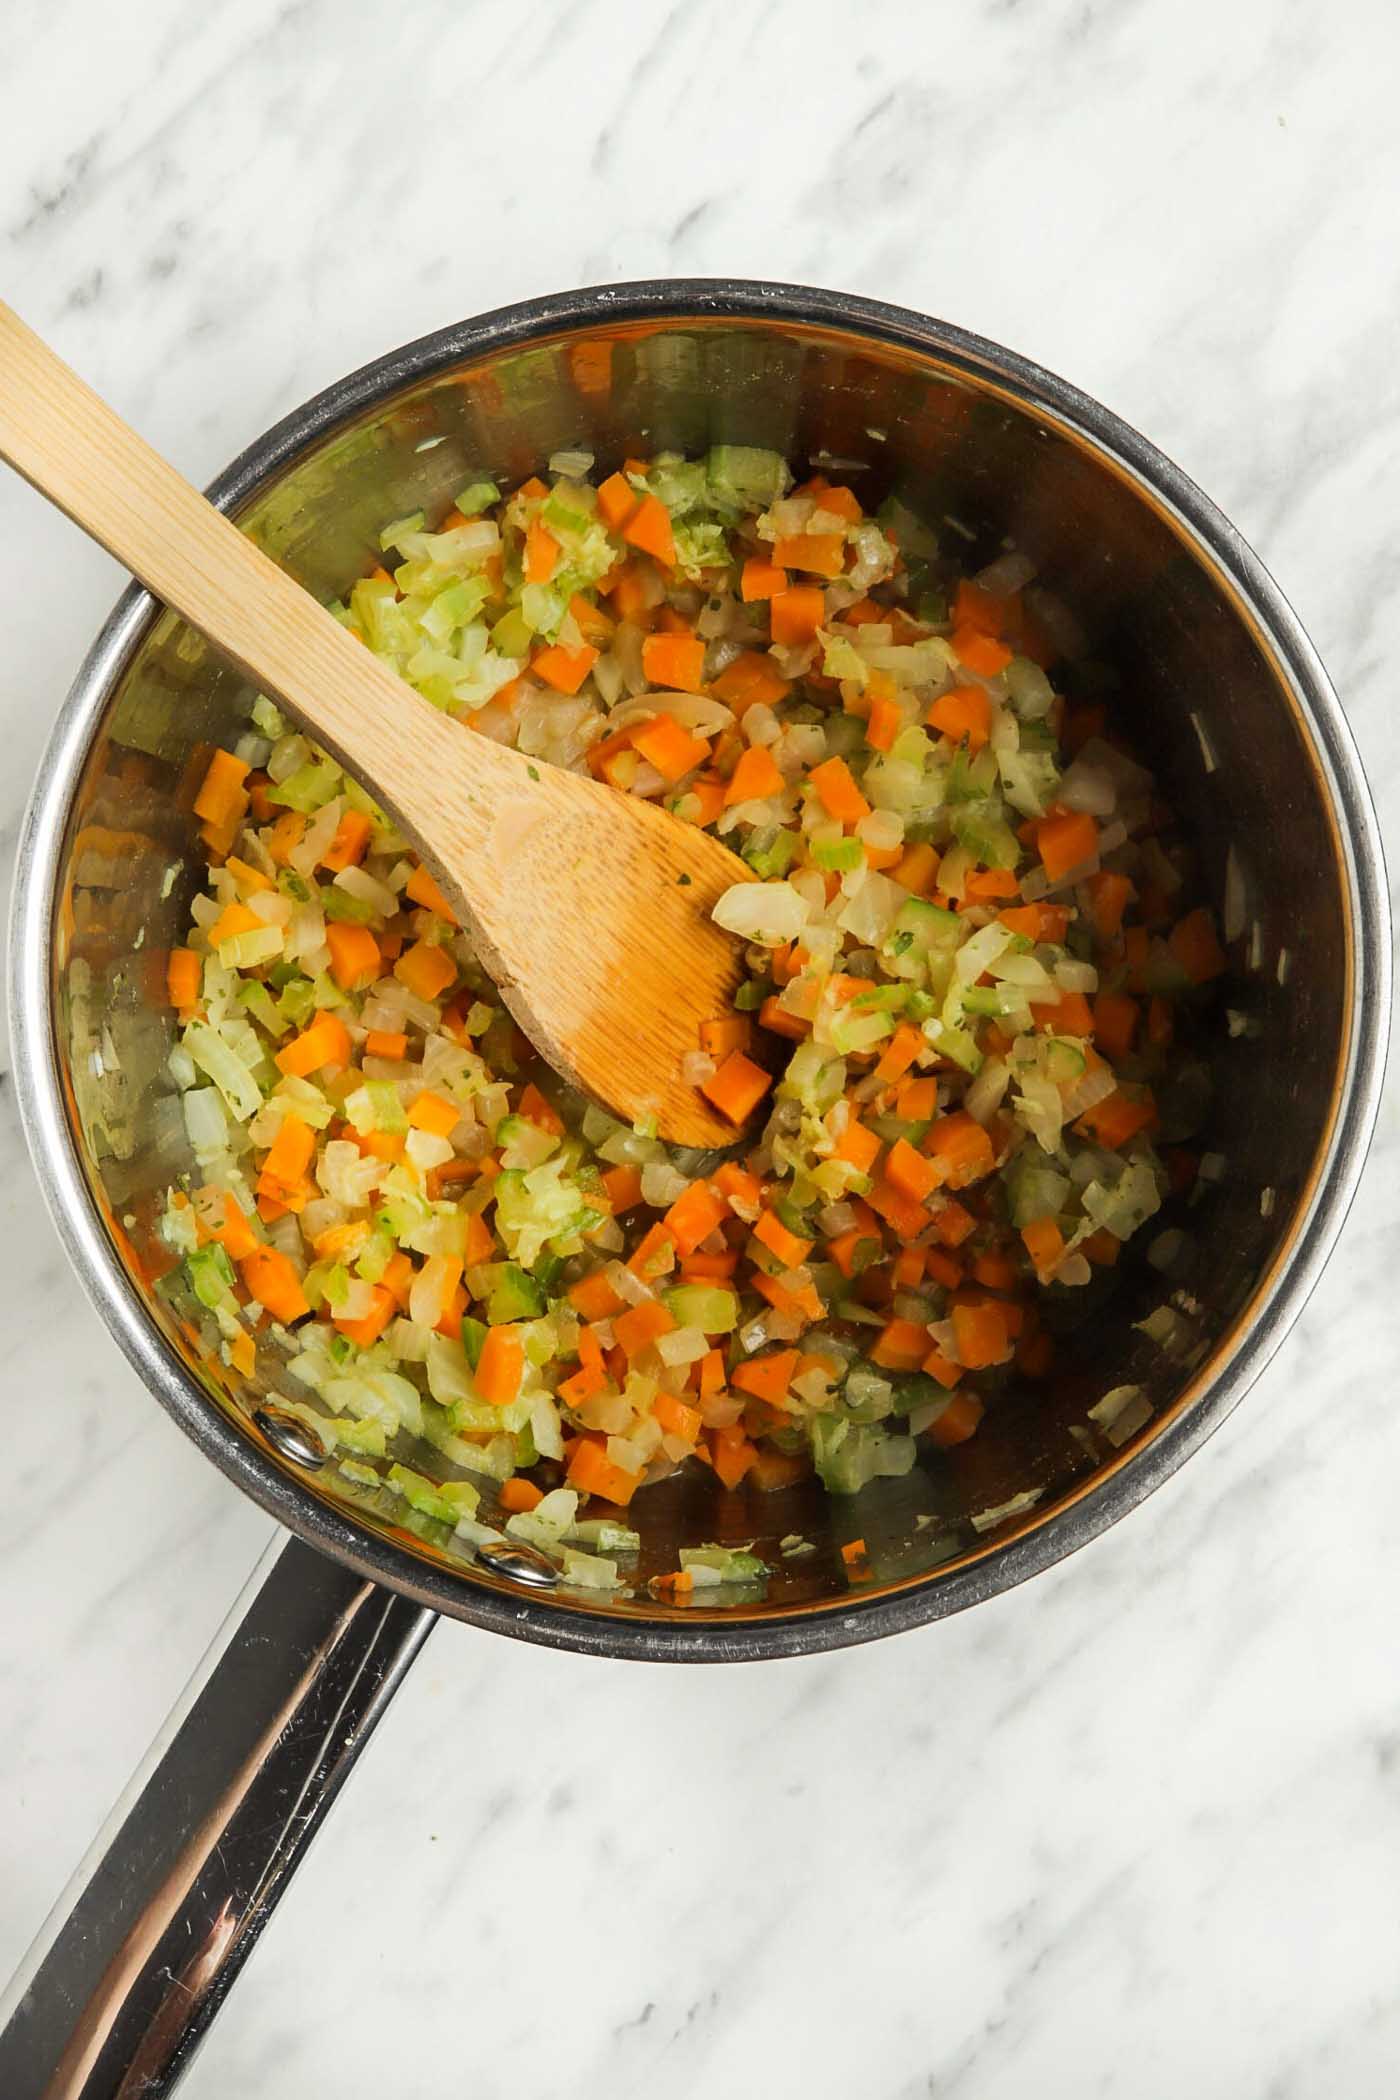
x,y
1183,670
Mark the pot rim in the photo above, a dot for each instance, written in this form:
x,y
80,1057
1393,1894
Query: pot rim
x,y
1242,1354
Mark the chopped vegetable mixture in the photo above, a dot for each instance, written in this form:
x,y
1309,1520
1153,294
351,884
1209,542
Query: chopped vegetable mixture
x,y
966,947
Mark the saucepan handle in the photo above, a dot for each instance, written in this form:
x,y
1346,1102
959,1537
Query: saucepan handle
x,y
133,1964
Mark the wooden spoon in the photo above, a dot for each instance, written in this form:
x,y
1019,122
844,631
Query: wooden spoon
x,y
590,909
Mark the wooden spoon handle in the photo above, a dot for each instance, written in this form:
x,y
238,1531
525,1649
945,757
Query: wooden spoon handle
x,y
74,449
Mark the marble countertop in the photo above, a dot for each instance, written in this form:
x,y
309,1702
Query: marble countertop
x,y
1131,1830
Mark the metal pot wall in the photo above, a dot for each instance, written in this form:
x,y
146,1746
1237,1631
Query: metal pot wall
x,y
1211,676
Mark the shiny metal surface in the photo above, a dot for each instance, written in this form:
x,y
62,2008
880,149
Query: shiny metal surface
x,y
1207,670
119,1990
292,1438
520,1563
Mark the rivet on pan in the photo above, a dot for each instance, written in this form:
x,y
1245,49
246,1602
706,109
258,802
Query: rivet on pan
x,y
519,1563
291,1438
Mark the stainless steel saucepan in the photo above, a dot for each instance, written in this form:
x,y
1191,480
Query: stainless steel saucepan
x,y
1198,655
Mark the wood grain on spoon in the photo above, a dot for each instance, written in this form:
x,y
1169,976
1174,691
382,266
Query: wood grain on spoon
x,y
590,909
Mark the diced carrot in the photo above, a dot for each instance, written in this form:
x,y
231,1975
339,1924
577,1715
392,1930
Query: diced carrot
x,y
592,1472
221,789
1102,1248
270,1277
1115,1023
989,885
882,727
289,1154
912,1173
500,1366
978,610
183,975
426,969
739,1186
732,1456
695,1215
982,1334
649,530
796,614
398,1278
701,1267
1045,1243
938,1366
853,1251
962,1149
434,1113
259,798
593,1297
994,1269
916,1100
900,1211
737,1087
591,621
711,1374
666,744
730,1032
771,1233
957,1422
767,1377
1117,1119
907,1268
1070,1014
917,869
1109,897
366,1330
564,669
818,553
980,652
751,678
286,834
347,848
943,1268
1034,921
654,1254
963,713
637,1328
857,1146
901,1346
840,796
233,920
517,1494
1065,841
674,660
617,499
538,1111
624,1187
236,1236
355,956
842,503
761,579
754,778
676,1418
541,552
381,1144
325,1041
248,878
899,1052
1195,946
422,889
953,1224
386,1043
779,1020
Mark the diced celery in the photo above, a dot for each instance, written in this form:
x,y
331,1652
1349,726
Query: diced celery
x,y
713,1310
